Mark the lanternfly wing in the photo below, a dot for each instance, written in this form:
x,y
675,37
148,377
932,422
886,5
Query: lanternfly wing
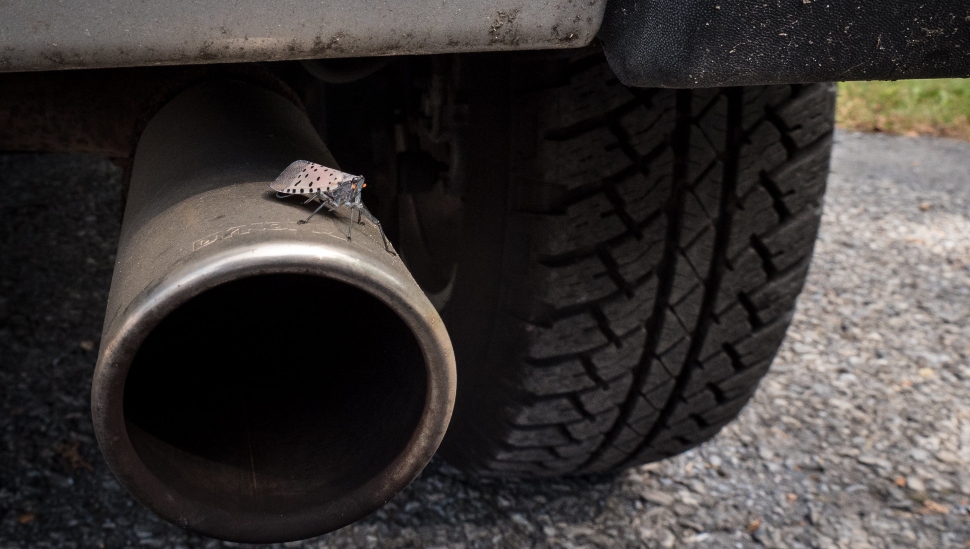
x,y
303,177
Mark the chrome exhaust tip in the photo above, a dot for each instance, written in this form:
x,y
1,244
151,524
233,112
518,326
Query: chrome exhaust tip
x,y
259,380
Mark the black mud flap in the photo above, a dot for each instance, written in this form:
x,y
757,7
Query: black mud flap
x,y
709,43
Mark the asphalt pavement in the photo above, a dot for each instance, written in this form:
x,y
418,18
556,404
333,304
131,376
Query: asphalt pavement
x,y
858,437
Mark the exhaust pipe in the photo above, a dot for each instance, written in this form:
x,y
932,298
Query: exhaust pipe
x,y
259,380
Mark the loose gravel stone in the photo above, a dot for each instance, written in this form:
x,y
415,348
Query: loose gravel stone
x,y
858,437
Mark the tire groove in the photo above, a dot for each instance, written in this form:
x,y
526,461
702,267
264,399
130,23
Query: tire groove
x,y
574,256
680,143
733,139
578,129
603,324
613,271
777,197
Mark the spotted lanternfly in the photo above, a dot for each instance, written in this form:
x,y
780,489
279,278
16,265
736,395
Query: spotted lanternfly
x,y
332,188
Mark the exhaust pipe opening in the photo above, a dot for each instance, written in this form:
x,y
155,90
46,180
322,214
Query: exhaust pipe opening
x,y
274,393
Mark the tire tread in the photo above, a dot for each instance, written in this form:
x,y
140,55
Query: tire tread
x,y
674,236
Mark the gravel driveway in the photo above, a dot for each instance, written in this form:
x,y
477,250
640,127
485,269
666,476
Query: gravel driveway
x,y
859,436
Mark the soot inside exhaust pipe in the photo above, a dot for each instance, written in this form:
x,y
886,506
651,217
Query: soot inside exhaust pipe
x,y
272,393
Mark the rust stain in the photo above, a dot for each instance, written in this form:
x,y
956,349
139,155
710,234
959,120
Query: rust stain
x,y
503,29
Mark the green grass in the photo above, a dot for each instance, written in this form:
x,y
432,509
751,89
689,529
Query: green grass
x,y
908,107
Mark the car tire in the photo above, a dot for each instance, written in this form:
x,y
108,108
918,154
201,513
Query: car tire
x,y
628,260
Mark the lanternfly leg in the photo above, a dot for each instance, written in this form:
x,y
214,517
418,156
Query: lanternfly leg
x,y
320,207
374,220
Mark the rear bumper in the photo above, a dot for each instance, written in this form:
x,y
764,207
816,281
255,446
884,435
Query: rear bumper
x,y
116,33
